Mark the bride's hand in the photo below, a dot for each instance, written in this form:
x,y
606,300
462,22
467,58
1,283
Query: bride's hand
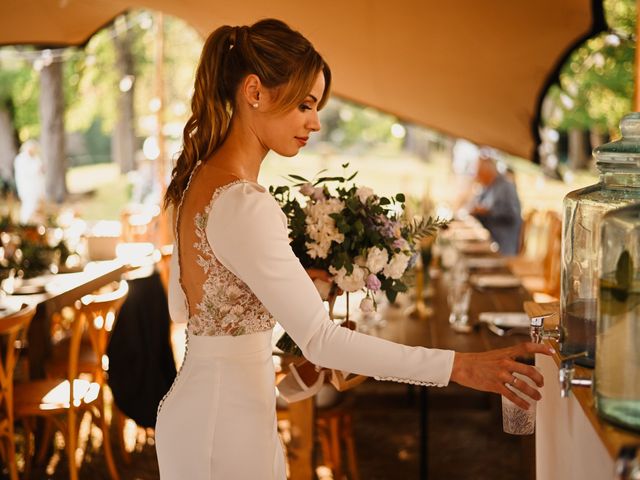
x,y
491,371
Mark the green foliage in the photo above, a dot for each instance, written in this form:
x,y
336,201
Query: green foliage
x,y
20,88
597,82
359,222
348,125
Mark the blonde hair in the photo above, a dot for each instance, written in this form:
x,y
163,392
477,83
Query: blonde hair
x,y
283,59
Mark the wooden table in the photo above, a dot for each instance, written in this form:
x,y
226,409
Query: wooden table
x,y
436,332
65,290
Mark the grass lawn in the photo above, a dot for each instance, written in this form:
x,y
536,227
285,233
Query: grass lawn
x,y
97,192
100,191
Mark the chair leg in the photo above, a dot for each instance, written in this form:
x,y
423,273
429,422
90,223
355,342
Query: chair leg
x,y
334,432
347,432
106,444
71,442
325,443
13,467
45,441
119,422
28,437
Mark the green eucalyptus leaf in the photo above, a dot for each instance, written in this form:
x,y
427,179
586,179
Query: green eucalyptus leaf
x,y
299,178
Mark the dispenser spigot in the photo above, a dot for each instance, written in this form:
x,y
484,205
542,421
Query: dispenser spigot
x,y
627,463
567,377
538,333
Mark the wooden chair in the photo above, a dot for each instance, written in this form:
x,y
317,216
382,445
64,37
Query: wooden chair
x,y
13,329
538,265
332,429
140,224
335,433
63,401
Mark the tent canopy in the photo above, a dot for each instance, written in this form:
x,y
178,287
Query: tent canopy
x,y
476,70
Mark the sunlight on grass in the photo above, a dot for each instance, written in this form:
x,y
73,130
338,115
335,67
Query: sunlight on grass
x,y
388,175
101,192
98,191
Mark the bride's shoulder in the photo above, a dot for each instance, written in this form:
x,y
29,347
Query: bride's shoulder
x,y
244,201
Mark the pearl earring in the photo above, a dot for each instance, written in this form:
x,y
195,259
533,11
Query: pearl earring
x,y
255,105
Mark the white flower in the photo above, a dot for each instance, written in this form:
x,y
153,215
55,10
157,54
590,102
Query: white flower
x,y
307,189
321,228
377,258
349,283
364,193
367,306
396,266
315,250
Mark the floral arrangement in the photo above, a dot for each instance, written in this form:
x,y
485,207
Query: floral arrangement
x,y
365,241
26,250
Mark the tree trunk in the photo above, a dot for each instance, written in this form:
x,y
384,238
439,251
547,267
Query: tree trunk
x,y
579,149
52,138
123,140
8,148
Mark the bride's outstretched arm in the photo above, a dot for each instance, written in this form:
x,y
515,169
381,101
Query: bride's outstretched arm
x,y
248,234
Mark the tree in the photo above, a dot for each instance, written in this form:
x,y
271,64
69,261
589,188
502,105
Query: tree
x,y
597,82
8,143
52,134
124,138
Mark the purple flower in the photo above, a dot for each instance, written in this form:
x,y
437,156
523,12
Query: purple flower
x,y
373,283
413,260
400,243
387,228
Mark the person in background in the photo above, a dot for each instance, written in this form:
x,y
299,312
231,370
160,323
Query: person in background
x,y
29,176
497,206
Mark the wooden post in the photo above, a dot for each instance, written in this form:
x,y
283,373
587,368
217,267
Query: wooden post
x,y
164,234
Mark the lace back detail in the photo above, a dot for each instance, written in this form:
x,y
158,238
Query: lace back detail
x,y
228,306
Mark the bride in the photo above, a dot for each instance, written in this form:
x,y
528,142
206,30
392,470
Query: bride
x,y
233,275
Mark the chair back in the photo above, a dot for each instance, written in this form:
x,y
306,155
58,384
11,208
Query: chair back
x,y
13,329
97,314
551,264
534,234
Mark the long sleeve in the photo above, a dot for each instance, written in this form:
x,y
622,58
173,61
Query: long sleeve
x,y
248,234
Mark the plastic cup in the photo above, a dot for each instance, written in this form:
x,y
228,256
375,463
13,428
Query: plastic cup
x,y
516,420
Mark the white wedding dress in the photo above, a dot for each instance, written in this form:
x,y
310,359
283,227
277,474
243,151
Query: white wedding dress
x,y
233,275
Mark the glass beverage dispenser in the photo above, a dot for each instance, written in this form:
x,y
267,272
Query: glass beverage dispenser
x,y
583,210
617,378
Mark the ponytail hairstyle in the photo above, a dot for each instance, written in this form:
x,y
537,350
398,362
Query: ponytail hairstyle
x,y
282,58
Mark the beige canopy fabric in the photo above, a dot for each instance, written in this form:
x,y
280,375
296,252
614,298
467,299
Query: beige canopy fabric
x,y
472,69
